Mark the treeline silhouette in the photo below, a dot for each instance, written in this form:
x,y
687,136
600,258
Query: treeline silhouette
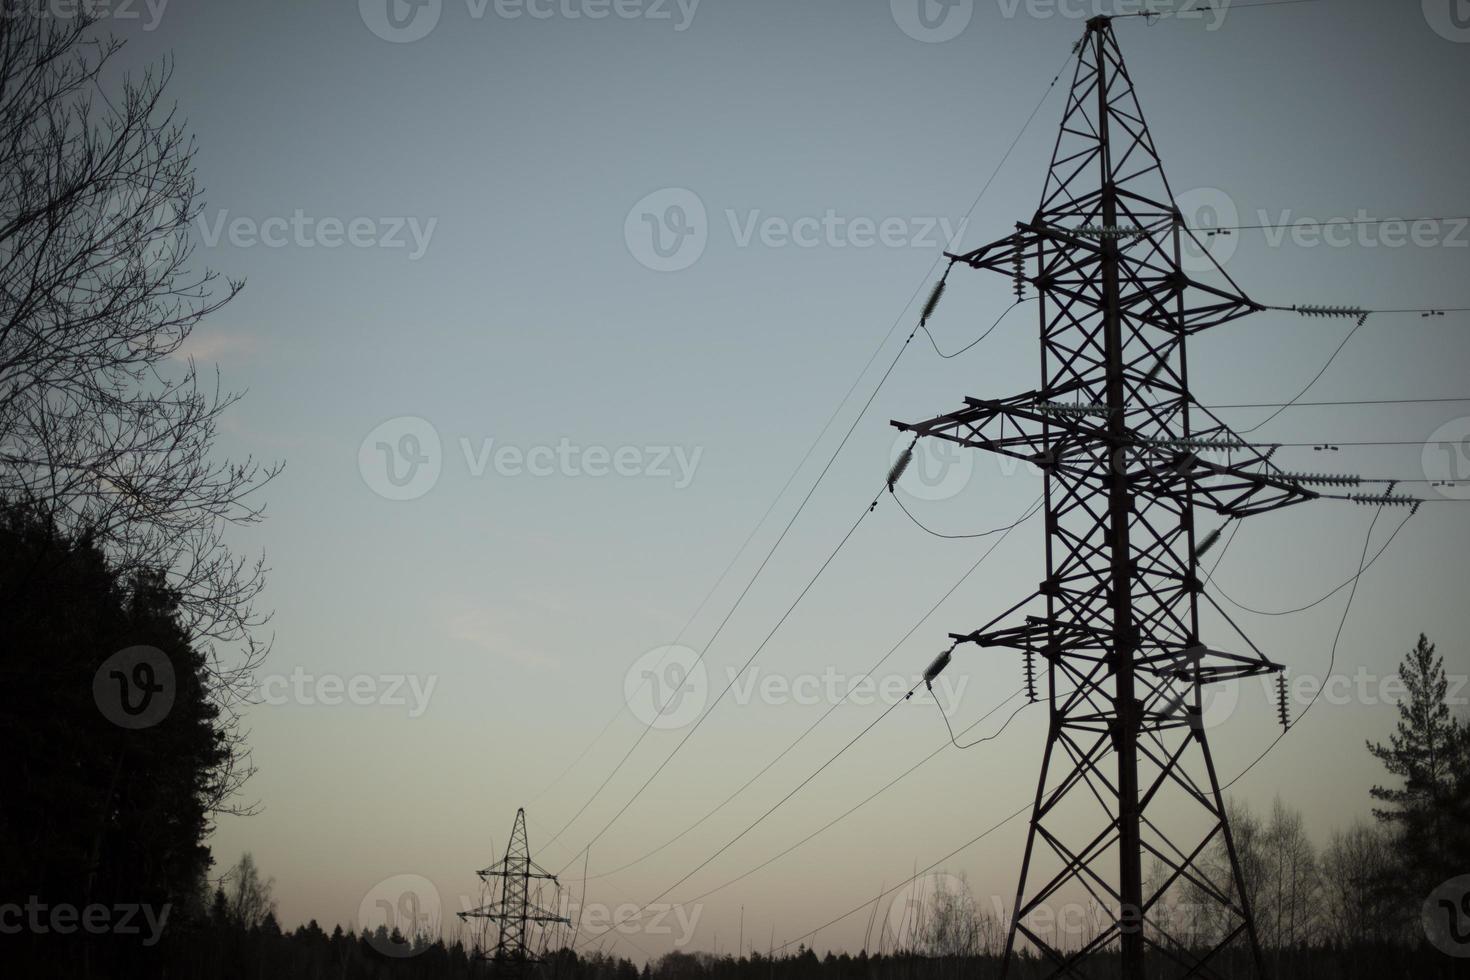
x,y
221,950
100,815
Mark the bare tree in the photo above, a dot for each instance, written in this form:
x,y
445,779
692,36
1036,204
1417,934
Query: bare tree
x,y
104,430
950,923
1205,921
250,901
1289,892
1358,890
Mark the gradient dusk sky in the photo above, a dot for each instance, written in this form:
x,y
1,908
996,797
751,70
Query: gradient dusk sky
x,y
603,270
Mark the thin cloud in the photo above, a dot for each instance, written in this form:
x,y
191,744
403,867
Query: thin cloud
x,y
215,346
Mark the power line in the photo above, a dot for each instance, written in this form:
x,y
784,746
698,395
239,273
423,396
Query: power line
x,y
977,340
879,897
979,741
1315,378
970,211
954,537
1316,602
1329,221
748,660
1423,311
774,807
1012,816
1194,12
874,795
1332,658
1340,403
1026,515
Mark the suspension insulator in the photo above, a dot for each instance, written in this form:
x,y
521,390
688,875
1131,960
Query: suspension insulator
x,y
1384,500
896,471
1324,479
934,298
1030,668
1283,704
1341,311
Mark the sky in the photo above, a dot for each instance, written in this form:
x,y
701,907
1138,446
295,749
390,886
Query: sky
x,y
544,303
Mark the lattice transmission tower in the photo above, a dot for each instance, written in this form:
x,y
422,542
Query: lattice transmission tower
x,y
515,912
1128,457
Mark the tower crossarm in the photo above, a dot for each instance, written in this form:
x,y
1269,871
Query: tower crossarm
x,y
497,912
1055,435
1053,638
1150,286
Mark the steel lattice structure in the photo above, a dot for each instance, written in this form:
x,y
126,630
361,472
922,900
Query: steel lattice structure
x,y
515,912
1125,469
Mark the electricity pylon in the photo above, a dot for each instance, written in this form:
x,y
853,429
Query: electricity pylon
x,y
515,912
1125,468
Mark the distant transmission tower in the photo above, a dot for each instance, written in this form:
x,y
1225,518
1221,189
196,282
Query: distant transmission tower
x,y
515,912
1126,754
